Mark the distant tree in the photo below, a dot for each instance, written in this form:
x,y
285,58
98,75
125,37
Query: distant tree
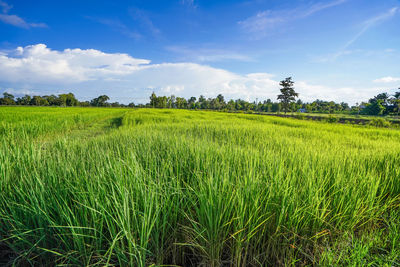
x,y
276,107
202,102
221,100
397,94
153,100
181,102
52,100
8,99
381,99
100,101
396,105
68,100
288,95
396,102
39,101
344,106
374,108
172,101
382,96
192,102
25,100
231,105
162,102
215,104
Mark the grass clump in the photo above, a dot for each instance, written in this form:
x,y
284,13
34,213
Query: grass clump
x,y
379,122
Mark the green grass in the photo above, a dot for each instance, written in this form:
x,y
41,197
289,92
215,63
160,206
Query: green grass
x,y
123,187
391,118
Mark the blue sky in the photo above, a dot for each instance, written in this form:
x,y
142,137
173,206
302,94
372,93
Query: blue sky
x,y
341,50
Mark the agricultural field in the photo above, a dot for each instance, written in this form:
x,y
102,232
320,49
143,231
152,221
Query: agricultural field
x,y
157,187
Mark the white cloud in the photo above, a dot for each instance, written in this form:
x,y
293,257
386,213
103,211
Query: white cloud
x,y
16,20
19,22
88,73
39,64
265,21
5,7
387,79
351,95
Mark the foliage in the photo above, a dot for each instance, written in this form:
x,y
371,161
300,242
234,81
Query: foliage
x,y
288,95
379,122
100,101
374,108
332,119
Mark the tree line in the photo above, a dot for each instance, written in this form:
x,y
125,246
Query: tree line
x,y
382,104
62,100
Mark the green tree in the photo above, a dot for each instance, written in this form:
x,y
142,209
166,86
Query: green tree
x,y
52,100
172,101
181,102
288,95
25,100
69,100
153,100
100,101
374,108
39,101
192,102
396,101
8,99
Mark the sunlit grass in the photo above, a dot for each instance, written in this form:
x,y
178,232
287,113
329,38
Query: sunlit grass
x,y
140,187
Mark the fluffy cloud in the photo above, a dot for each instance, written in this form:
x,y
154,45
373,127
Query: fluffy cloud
x,y
387,79
39,64
88,73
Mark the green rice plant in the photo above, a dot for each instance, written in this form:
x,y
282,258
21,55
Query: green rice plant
x,y
123,187
379,122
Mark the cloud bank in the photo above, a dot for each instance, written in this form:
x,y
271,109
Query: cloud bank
x,y
90,72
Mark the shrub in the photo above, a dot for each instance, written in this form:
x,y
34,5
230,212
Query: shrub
x,y
332,119
379,122
300,116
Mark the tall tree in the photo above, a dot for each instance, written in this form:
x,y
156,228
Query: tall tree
x,y
288,95
153,100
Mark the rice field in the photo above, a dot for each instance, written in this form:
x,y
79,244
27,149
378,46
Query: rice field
x,y
149,187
